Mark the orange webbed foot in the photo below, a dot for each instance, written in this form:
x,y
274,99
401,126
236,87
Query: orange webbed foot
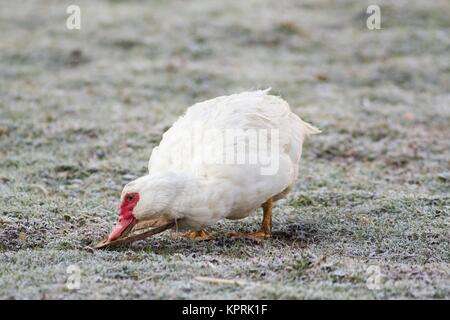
x,y
200,235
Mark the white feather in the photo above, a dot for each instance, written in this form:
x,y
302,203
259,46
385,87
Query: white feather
x,y
181,185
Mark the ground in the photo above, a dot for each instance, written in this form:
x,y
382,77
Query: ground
x,y
80,111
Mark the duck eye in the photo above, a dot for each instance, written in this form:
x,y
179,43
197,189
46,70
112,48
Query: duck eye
x,y
131,197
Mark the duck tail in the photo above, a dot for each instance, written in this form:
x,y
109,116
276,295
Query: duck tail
x,y
309,129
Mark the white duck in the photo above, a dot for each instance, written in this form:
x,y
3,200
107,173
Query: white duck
x,y
208,167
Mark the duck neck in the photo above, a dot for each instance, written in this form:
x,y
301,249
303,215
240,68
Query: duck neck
x,y
174,193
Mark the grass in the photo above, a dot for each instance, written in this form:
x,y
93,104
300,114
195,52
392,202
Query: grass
x,y
80,112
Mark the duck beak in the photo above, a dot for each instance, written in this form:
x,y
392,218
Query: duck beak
x,y
123,227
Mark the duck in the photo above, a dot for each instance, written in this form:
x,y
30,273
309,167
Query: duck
x,y
222,159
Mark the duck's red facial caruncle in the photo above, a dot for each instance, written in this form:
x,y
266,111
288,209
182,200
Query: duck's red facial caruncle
x,y
126,218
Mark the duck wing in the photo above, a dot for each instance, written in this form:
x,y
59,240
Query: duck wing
x,y
200,131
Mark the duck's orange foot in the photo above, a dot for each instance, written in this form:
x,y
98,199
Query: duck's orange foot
x,y
198,235
255,236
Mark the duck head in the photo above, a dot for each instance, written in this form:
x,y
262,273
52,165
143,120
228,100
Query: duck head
x,y
146,198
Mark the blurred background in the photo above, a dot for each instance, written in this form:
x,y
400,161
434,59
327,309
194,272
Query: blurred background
x,y
80,111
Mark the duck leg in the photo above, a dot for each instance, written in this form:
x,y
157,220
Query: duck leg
x,y
266,228
198,235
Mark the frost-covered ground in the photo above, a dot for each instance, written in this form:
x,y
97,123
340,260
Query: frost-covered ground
x,y
81,110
